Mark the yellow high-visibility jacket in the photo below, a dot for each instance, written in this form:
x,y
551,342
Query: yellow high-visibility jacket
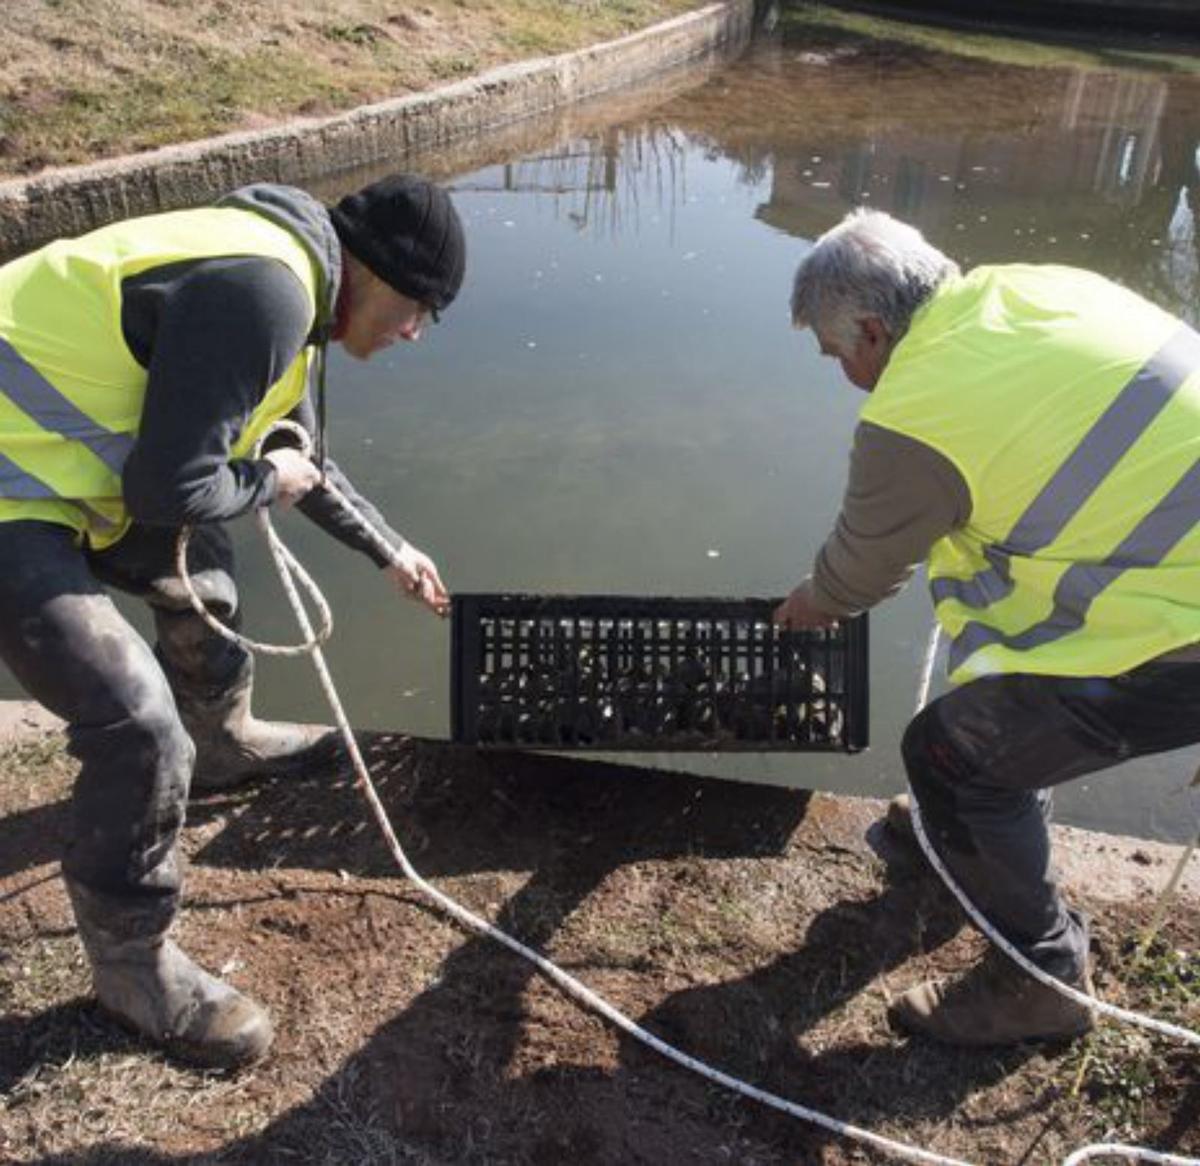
x,y
71,393
1071,407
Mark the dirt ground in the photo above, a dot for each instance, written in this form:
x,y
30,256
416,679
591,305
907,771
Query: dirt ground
x,y
759,929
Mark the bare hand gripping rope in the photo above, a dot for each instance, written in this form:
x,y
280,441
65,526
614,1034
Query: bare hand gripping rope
x,y
288,566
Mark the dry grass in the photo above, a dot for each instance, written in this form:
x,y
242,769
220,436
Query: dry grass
x,y
83,79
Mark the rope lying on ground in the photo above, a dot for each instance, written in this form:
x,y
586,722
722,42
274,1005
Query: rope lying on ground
x,y
287,566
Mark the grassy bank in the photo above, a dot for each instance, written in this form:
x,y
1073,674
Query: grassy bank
x,y
81,80
986,40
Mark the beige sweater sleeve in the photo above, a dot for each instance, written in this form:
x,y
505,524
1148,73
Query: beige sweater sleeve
x,y
901,497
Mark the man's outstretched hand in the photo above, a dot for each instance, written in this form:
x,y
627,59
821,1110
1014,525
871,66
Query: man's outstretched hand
x,y
797,611
416,575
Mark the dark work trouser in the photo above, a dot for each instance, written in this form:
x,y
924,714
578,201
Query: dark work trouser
x,y
982,759
71,650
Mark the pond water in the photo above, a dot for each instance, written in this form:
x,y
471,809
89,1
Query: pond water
x,y
617,404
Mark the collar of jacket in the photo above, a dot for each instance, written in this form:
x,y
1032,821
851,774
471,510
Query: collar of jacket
x,y
307,219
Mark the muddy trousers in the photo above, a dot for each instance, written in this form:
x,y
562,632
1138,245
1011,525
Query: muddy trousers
x,y
70,649
983,758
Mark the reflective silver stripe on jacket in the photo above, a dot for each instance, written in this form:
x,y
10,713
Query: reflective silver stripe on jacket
x,y
1064,495
1147,544
22,384
20,484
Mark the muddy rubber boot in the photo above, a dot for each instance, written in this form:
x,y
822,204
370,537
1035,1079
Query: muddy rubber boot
x,y
151,986
212,681
233,746
995,1003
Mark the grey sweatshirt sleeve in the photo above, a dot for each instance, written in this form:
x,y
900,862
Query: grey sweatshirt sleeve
x,y
214,335
901,497
329,514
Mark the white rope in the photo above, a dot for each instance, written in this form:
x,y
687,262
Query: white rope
x,y
286,563
1168,891
1126,1154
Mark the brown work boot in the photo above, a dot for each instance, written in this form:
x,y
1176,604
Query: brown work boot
x,y
233,746
995,1003
148,984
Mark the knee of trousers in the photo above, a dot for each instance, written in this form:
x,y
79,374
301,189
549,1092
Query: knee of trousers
x,y
132,723
195,658
214,588
210,571
939,772
167,743
130,796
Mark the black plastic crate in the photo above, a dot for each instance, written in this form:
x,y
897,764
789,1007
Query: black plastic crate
x,y
612,672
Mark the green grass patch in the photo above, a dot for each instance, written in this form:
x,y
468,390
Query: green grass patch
x,y
362,35
1120,1071
1029,48
160,107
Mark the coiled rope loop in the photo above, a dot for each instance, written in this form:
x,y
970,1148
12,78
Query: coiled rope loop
x,y
290,569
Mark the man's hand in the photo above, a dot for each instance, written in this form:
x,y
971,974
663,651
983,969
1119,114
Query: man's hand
x,y
797,611
295,473
417,577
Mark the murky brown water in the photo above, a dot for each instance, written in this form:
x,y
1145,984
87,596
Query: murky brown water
x,y
617,404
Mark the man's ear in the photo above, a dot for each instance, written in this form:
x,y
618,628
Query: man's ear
x,y
873,330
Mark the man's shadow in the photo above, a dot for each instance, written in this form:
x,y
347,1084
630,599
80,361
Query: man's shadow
x,y
426,1076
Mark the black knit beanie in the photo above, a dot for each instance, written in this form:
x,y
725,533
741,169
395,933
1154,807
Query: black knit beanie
x,y
408,233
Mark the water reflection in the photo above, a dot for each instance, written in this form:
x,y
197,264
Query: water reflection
x,y
601,184
995,163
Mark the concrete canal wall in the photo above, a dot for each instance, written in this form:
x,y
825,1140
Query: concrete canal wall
x,y
398,132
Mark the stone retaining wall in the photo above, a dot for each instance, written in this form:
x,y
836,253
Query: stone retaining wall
x,y
397,132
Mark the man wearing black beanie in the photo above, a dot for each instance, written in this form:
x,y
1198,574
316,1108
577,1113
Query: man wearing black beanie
x,y
406,232
142,363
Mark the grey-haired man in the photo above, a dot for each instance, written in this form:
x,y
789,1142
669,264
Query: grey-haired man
x,y
1032,433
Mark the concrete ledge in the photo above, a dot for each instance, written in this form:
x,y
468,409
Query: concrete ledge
x,y
398,132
